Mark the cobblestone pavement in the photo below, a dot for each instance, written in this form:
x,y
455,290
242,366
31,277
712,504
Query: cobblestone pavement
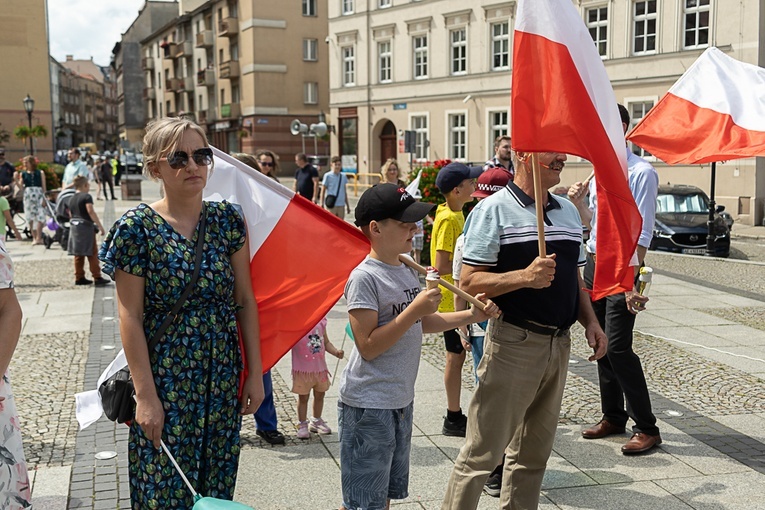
x,y
44,275
752,317
46,372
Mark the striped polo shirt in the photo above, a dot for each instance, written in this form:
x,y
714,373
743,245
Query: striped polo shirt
x,y
501,233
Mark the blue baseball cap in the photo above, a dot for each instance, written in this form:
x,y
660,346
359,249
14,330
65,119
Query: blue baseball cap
x,y
452,175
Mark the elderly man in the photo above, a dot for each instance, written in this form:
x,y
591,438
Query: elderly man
x,y
516,405
503,153
74,168
620,373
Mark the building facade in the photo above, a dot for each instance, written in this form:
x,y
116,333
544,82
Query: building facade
x,y
26,71
443,68
244,70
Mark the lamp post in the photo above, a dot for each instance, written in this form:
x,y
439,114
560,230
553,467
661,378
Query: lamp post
x,y
29,106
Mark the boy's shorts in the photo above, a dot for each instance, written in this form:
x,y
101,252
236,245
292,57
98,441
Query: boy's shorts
x,y
418,242
453,342
374,455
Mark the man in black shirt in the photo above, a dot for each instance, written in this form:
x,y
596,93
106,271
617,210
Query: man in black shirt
x,y
306,178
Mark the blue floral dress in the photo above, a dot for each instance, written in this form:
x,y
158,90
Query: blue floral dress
x,y
197,363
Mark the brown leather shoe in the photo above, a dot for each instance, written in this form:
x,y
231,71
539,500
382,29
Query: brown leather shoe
x,y
602,429
640,442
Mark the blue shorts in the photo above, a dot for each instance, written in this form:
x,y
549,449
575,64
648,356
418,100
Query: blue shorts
x,y
374,455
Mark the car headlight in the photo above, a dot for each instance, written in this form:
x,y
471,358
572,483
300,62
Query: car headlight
x,y
661,230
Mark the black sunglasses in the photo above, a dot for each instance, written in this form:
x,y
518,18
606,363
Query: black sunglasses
x,y
179,159
265,163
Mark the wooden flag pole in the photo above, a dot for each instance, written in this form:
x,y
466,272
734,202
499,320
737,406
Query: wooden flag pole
x,y
589,178
538,194
461,293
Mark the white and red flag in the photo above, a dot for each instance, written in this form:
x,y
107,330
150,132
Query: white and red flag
x,y
714,112
300,255
562,101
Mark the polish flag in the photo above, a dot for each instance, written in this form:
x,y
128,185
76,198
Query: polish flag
x,y
300,255
562,101
715,112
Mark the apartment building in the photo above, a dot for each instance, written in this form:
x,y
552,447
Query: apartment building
x,y
244,70
443,68
25,71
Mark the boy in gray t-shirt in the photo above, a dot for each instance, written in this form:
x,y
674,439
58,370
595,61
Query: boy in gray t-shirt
x,y
388,315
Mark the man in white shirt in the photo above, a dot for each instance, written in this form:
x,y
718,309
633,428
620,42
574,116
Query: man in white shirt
x,y
74,168
620,373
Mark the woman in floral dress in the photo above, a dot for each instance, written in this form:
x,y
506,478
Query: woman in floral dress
x,y
34,195
14,480
186,388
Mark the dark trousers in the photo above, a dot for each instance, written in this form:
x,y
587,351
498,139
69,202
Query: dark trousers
x,y
620,373
107,180
265,416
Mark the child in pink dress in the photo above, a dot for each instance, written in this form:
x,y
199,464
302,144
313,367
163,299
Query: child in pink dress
x,y
309,372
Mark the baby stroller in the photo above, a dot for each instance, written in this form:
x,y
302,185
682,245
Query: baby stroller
x,y
16,204
58,219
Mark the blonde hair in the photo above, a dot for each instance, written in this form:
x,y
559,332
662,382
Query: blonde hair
x,y
386,166
80,182
163,136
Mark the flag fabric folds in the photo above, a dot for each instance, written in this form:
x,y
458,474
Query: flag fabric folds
x,y
714,112
300,255
562,101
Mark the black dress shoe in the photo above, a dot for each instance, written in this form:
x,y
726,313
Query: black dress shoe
x,y
271,436
100,282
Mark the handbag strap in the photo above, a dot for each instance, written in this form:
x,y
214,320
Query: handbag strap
x,y
339,182
189,287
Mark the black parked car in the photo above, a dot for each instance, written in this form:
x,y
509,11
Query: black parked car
x,y
681,222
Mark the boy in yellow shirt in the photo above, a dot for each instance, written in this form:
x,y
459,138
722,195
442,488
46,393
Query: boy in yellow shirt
x,y
456,181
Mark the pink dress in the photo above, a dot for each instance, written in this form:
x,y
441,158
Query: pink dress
x,y
15,492
309,365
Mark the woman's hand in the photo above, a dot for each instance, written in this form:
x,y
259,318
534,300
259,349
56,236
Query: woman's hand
x,y
150,415
252,394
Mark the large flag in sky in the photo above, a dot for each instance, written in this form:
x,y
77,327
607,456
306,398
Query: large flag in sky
x,y
300,255
715,112
562,101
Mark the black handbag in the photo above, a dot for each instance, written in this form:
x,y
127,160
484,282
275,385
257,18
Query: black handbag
x,y
117,391
329,200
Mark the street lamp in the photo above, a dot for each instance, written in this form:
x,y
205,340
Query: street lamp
x,y
29,106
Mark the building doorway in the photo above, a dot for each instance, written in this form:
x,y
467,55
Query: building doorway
x,y
387,143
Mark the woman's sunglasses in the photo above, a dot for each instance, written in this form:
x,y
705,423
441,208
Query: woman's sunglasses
x,y
265,163
179,159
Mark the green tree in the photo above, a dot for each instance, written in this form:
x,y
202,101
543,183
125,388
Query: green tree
x,y
24,133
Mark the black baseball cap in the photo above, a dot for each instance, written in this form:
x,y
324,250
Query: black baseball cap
x,y
389,201
452,175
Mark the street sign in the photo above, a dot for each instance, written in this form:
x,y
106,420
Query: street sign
x,y
399,106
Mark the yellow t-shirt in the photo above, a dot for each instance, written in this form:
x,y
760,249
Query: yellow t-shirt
x,y
447,227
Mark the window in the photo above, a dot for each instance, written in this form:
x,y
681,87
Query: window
x,y
310,93
310,50
383,4
597,24
419,124
384,60
497,126
420,56
349,66
644,16
457,136
500,46
459,50
347,7
696,23
638,110
309,8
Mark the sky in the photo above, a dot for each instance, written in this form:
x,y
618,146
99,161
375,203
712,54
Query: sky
x,y
89,28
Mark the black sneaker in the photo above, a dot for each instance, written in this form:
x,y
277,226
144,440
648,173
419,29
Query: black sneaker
x,y
83,281
493,485
100,281
455,428
271,436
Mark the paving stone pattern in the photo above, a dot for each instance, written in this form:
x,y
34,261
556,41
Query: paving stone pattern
x,y
754,317
46,371
45,275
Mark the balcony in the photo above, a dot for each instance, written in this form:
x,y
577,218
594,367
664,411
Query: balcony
x,y
205,39
206,78
188,83
174,84
147,63
205,116
149,93
183,49
229,69
230,111
228,27
168,49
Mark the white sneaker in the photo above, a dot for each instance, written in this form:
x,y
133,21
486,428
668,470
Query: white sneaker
x,y
302,432
319,426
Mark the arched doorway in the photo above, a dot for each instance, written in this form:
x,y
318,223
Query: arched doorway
x,y
387,143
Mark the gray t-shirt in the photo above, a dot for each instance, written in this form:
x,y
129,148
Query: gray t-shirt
x,y
386,382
